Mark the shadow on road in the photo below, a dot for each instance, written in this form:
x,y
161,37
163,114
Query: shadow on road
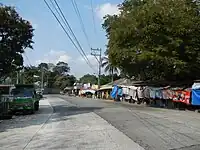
x,y
60,112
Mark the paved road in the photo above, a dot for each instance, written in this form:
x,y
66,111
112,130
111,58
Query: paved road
x,y
67,127
152,128
81,124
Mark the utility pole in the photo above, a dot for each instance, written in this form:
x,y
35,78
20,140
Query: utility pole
x,y
47,81
95,53
17,82
42,80
23,76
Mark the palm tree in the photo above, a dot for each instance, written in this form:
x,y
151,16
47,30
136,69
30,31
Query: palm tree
x,y
109,67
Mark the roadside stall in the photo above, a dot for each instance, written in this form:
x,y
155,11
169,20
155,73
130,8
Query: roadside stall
x,y
104,91
87,93
68,90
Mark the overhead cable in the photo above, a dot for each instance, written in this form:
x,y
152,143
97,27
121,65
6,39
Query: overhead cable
x,y
82,24
92,7
82,53
81,21
69,27
29,63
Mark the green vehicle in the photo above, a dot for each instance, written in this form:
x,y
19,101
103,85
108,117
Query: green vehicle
x,y
25,99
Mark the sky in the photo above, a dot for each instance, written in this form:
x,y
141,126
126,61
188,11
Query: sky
x,y
51,44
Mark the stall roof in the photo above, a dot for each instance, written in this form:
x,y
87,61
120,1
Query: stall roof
x,y
120,82
129,82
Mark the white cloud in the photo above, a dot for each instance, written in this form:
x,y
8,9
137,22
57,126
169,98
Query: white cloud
x,y
107,9
92,60
54,57
81,67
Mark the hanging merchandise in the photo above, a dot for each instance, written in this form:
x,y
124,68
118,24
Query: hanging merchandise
x,y
133,92
158,93
182,96
119,92
152,93
147,92
167,94
140,92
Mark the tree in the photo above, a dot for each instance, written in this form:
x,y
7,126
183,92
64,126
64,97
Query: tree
x,y
61,68
105,79
64,81
43,66
15,36
109,67
88,79
155,40
30,75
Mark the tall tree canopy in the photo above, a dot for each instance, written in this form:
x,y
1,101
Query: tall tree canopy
x,y
43,66
88,78
62,68
155,39
52,79
15,35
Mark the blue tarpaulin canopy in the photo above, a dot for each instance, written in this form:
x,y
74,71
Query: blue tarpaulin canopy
x,y
195,97
113,94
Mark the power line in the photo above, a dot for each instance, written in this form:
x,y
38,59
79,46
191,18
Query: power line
x,y
91,3
87,61
60,13
65,22
29,63
81,21
95,30
68,25
82,24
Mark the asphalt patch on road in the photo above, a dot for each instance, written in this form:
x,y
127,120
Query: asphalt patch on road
x,y
191,147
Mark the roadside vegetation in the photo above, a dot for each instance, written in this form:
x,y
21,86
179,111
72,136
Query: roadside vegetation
x,y
155,40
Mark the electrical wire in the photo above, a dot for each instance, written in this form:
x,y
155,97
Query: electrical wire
x,y
82,54
69,27
95,31
29,63
82,24
81,21
91,3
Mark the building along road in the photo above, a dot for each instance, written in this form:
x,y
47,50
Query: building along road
x,y
80,124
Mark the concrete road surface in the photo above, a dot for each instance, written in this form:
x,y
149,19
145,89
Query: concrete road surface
x,y
65,127
80,124
151,128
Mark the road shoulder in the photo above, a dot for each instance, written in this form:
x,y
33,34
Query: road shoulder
x,y
18,132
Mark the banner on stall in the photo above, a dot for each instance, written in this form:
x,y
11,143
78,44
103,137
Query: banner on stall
x,y
182,96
